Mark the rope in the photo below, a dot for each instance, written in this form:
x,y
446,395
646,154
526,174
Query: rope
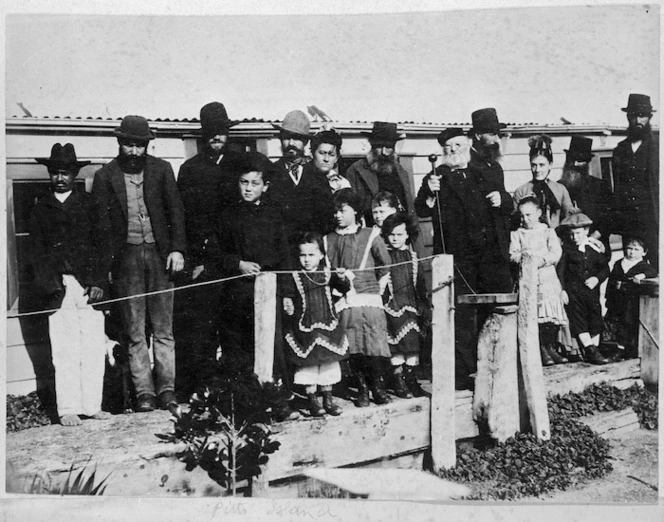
x,y
205,283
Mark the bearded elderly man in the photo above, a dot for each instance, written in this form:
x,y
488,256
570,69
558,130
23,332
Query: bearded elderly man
x,y
380,170
138,196
459,202
635,208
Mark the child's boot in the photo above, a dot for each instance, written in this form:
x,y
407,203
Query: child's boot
x,y
315,407
378,390
557,358
592,355
399,383
547,360
328,403
412,382
362,391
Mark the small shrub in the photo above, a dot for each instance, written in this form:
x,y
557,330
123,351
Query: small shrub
x,y
25,411
82,483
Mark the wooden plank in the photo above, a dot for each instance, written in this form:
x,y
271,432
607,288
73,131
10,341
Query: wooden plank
x,y
487,299
496,385
612,423
565,378
649,336
265,316
443,447
528,337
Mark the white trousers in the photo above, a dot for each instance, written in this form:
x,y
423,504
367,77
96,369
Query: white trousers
x,y
320,374
78,350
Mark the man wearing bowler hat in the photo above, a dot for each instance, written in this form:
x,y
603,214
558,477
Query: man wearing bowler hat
x,y
207,184
139,197
635,206
303,195
66,240
591,195
380,170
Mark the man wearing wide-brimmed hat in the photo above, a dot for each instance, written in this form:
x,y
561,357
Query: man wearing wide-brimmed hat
x,y
139,197
207,184
66,252
303,195
635,206
380,170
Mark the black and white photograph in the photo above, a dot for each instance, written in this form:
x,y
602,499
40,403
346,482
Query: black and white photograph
x,y
331,260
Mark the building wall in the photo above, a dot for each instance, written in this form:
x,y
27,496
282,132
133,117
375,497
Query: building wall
x,y
28,350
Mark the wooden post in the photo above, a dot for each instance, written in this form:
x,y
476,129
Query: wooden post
x,y
529,349
496,397
443,442
265,316
649,332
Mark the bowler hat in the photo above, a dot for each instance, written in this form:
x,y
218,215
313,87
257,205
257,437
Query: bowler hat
x,y
64,158
383,132
296,123
134,128
486,120
638,103
577,220
447,134
214,120
579,148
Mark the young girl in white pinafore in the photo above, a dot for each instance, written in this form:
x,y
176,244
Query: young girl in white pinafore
x,y
537,238
362,252
314,336
405,303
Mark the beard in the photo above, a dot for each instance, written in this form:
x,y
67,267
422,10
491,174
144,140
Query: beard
x,y
459,159
380,164
292,153
215,148
573,176
490,152
637,132
132,164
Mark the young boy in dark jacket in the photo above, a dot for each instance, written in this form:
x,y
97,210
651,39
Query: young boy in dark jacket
x,y
252,240
582,269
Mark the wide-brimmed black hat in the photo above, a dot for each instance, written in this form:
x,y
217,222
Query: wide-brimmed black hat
x,y
214,120
447,134
579,148
134,128
486,120
383,132
63,158
638,103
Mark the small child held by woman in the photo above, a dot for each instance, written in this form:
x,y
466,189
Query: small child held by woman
x,y
362,252
405,303
315,340
536,238
621,323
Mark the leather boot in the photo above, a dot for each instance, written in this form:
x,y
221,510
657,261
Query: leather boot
x,y
557,358
547,360
412,382
592,355
315,407
377,382
362,391
330,406
399,383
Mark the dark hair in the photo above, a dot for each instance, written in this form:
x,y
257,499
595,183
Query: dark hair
x,y
348,197
326,136
386,197
529,198
313,238
634,239
254,162
401,218
540,145
285,135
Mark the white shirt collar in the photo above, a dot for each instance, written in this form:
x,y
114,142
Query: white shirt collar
x,y
62,196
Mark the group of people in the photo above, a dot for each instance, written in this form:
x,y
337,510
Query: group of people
x,y
179,257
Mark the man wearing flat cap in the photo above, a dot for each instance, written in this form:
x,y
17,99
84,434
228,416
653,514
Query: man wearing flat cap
x,y
380,170
635,208
139,197
207,184
455,196
303,195
67,247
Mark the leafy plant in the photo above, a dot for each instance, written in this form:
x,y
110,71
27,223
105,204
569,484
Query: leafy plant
x,y
25,411
227,427
81,483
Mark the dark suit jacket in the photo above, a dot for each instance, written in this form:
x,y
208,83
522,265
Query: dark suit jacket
x,y
162,200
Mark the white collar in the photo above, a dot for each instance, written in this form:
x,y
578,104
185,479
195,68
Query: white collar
x,y
348,230
62,196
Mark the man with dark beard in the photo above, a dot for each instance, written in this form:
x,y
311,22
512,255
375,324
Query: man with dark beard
x,y
380,170
635,208
303,195
138,196
207,184
589,194
456,198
